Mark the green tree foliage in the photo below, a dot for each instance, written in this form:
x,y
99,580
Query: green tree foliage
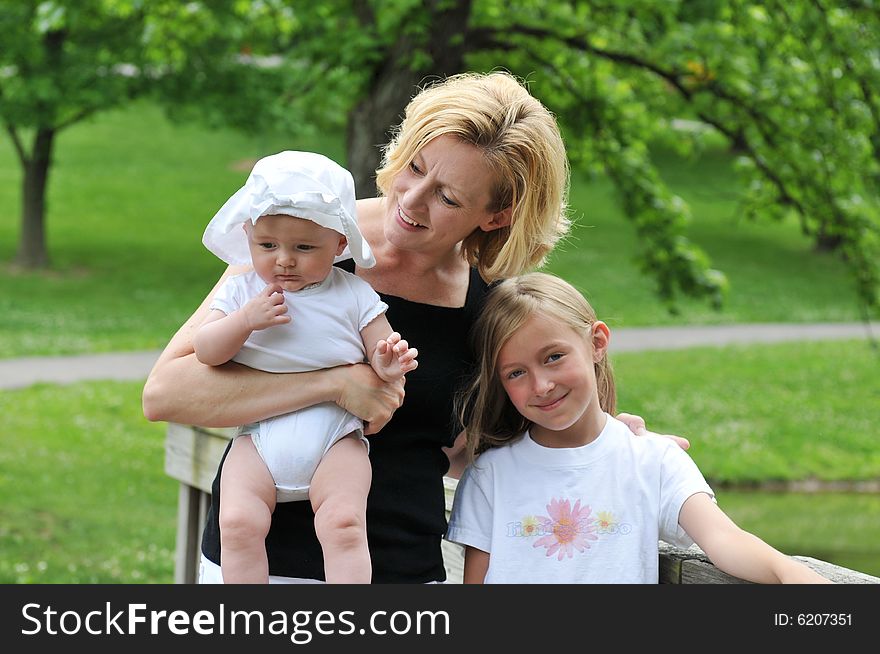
x,y
60,62
792,86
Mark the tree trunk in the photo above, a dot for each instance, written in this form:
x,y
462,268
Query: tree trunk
x,y
32,251
372,120
826,242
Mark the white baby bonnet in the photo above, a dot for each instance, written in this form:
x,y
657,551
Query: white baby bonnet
x,y
302,184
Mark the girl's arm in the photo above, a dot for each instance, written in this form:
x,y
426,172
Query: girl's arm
x,y
457,454
181,389
738,552
476,564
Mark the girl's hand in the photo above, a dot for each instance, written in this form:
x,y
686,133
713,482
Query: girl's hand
x,y
266,310
364,394
636,425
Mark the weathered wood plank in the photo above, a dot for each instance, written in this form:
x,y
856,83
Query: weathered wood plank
x,y
703,572
836,573
192,454
692,566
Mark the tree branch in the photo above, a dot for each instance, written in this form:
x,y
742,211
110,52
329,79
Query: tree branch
x,y
487,37
16,140
489,34
738,136
19,146
294,93
78,116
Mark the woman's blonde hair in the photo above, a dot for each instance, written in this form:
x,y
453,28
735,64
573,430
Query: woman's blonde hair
x,y
522,145
488,415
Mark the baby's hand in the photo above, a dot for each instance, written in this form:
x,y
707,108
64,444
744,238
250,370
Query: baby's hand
x,y
266,310
393,358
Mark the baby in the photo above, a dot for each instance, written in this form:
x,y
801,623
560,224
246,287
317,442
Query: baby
x,y
295,311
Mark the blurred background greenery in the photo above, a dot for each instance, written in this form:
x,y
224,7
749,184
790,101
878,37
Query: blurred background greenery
x,y
704,137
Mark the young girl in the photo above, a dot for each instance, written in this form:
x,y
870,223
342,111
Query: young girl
x,y
294,216
563,492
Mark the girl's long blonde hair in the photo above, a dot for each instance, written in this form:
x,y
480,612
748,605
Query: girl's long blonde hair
x,y
523,148
488,415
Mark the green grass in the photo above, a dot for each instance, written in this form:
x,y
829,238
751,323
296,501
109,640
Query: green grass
x,y
130,194
758,413
84,495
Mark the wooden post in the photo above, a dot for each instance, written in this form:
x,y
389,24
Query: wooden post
x,y
192,455
187,551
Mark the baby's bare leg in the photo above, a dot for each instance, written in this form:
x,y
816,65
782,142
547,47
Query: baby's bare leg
x,y
338,493
247,500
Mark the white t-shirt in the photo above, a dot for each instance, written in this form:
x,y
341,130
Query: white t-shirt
x,y
325,328
590,514
324,332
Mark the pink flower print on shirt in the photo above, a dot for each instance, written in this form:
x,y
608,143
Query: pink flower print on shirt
x,y
569,529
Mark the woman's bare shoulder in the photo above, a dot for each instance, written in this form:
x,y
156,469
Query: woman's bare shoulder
x,y
369,202
370,219
369,209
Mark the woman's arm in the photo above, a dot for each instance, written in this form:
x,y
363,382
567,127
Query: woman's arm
x,y
738,552
476,564
457,454
180,389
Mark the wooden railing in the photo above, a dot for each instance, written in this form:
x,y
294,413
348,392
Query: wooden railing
x,y
193,453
